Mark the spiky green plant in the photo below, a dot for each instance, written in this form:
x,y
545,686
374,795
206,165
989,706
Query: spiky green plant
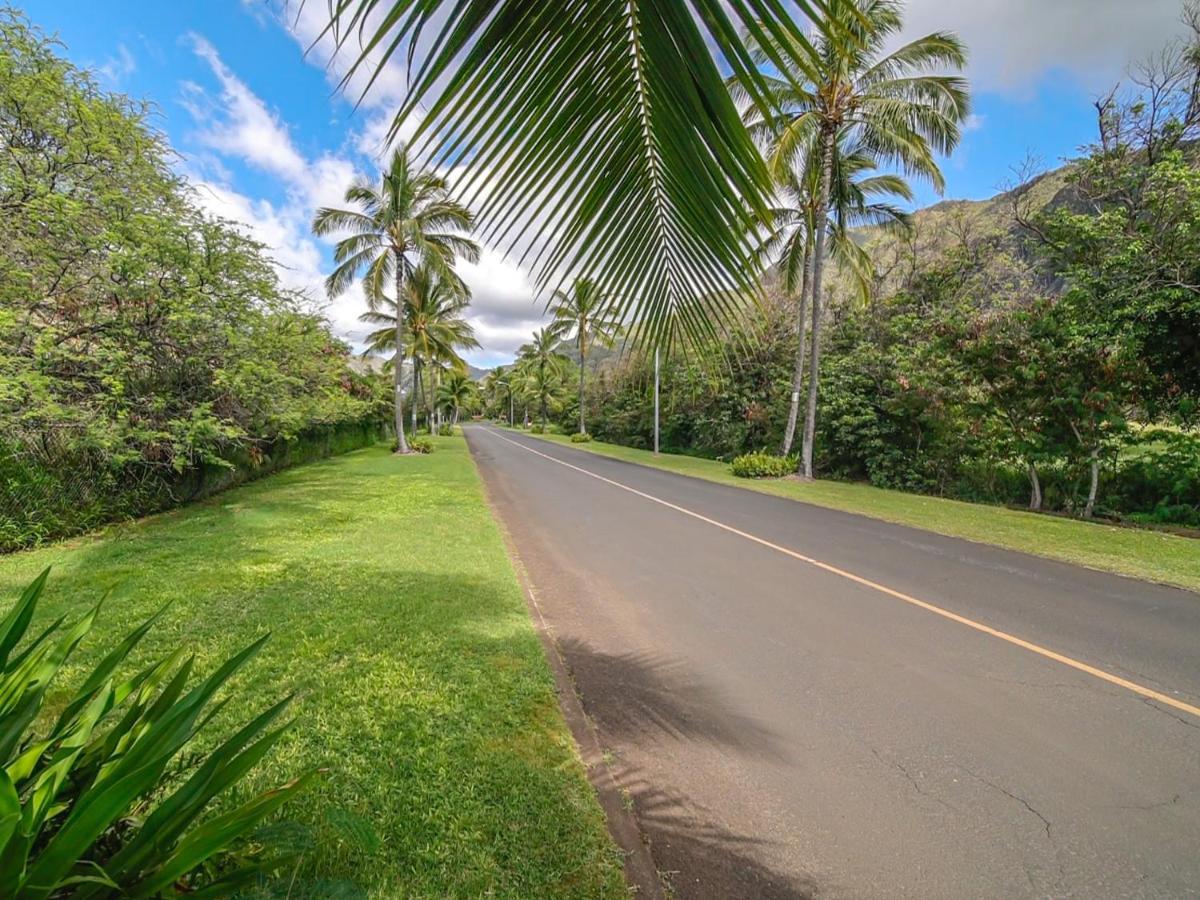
x,y
91,802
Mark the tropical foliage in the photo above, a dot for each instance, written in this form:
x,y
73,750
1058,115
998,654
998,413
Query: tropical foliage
x,y
581,316
604,124
404,235
854,108
142,342
108,800
761,464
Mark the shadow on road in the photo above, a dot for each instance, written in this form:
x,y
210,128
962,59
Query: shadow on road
x,y
699,859
632,695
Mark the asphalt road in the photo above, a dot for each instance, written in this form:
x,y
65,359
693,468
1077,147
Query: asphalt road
x,y
786,731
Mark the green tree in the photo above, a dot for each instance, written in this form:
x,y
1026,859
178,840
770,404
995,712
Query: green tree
x,y
407,221
581,315
456,392
542,367
434,328
855,202
892,106
140,339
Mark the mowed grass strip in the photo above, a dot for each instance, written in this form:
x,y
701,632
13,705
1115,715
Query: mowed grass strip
x,y
422,686
1140,553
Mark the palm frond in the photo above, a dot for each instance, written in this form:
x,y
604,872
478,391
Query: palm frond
x,y
605,123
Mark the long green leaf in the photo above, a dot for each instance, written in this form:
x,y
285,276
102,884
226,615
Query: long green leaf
x,y
14,625
598,136
215,834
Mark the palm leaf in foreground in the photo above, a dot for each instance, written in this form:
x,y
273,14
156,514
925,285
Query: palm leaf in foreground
x,y
605,124
99,806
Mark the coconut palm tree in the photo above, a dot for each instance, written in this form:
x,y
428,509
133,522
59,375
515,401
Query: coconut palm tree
x,y
434,329
405,222
581,315
893,106
855,202
542,368
455,392
605,125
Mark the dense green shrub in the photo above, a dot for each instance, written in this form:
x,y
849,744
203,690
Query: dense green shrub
x,y
144,345
761,464
49,491
580,437
420,445
536,429
110,798
1159,478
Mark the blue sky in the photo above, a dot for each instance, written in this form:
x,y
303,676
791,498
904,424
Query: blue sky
x,y
266,138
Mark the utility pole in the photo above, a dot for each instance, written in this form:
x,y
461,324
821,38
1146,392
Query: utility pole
x,y
656,400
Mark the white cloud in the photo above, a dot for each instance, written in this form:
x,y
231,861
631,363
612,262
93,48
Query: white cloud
x,y
241,125
117,68
974,122
1015,43
502,310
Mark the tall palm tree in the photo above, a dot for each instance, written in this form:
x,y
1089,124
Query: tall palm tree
x,y
894,106
542,367
407,220
581,314
605,125
854,203
455,392
433,326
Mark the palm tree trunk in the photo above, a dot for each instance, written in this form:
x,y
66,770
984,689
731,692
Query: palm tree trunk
x,y
416,385
398,375
814,363
432,409
789,435
582,368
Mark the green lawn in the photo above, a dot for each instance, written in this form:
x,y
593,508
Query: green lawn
x,y
1151,555
422,686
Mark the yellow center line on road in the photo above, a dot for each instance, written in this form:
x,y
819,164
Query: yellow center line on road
x,y
1132,686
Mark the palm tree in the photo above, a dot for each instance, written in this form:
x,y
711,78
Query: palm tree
x,y
580,314
607,127
497,380
893,107
455,392
789,239
542,367
434,328
406,221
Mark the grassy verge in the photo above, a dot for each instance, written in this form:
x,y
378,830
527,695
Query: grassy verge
x,y
1150,555
422,686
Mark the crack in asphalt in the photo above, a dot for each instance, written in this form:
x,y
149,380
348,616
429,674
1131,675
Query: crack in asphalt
x,y
1146,807
1011,795
911,780
1062,872
1149,701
